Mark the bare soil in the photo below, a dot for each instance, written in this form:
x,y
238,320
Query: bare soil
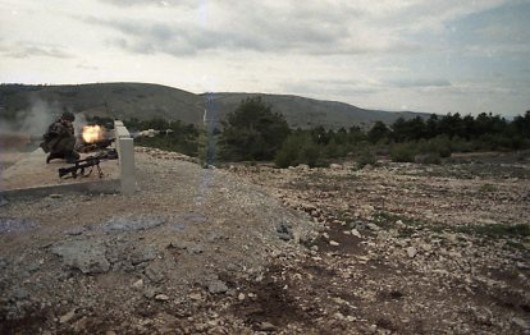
x,y
391,249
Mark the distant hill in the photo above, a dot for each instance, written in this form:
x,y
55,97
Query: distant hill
x,y
146,101
306,113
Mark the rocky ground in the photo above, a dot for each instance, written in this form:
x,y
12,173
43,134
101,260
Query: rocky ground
x,y
391,249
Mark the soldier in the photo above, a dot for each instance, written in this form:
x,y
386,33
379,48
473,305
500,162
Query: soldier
x,y
59,140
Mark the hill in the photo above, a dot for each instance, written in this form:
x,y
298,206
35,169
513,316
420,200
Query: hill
x,y
306,113
146,101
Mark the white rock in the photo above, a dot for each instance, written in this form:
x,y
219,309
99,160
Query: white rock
x,y
161,297
521,323
138,284
411,252
67,317
356,233
333,243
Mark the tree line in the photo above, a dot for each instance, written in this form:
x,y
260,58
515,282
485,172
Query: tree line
x,y
254,132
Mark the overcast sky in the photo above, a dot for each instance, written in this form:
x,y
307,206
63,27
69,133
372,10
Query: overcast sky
x,y
434,56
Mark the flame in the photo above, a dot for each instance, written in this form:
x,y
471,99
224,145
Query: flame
x,y
92,134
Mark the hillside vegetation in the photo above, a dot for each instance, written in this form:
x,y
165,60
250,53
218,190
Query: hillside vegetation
x,y
148,101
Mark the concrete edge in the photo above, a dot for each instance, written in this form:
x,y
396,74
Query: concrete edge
x,y
101,186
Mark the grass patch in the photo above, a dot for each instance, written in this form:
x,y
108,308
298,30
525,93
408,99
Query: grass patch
x,y
497,230
487,188
389,219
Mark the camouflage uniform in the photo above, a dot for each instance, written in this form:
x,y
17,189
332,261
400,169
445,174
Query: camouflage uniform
x,y
59,140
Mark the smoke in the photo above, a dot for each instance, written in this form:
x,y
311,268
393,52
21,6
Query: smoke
x,y
80,122
34,121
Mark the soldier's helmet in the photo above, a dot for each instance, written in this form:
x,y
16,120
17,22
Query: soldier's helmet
x,y
68,116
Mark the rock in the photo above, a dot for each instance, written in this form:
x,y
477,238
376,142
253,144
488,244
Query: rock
x,y
338,316
302,167
285,232
333,243
372,226
67,317
411,252
195,296
521,323
356,233
149,293
266,327
125,224
426,247
20,293
334,166
217,287
3,263
241,296
181,245
75,231
138,284
85,255
161,297
154,274
144,255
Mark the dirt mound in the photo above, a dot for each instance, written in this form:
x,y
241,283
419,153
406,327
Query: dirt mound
x,y
92,263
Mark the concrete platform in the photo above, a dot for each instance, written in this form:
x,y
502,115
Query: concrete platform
x,y
27,174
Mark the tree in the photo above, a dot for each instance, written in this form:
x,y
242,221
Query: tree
x,y
378,132
253,132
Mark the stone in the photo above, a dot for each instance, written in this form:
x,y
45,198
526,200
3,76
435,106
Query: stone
x,y
181,245
195,296
217,287
372,226
161,297
195,249
334,166
144,255
411,252
138,284
338,316
241,296
154,274
333,243
521,323
266,327
285,232
426,247
20,293
67,317
88,256
149,293
356,233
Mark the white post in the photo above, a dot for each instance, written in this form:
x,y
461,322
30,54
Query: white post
x,y
125,147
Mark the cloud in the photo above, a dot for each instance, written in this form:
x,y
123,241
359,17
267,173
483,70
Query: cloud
x,y
130,3
302,33
419,82
28,50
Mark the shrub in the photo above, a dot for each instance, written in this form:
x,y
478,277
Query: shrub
x,y
366,157
403,152
298,148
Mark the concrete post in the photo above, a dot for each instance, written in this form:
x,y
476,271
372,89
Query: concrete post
x,y
125,147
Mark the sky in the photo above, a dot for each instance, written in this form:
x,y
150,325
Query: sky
x,y
432,56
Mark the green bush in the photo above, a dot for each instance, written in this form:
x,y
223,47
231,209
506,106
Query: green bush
x,y
428,158
366,157
298,148
404,152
